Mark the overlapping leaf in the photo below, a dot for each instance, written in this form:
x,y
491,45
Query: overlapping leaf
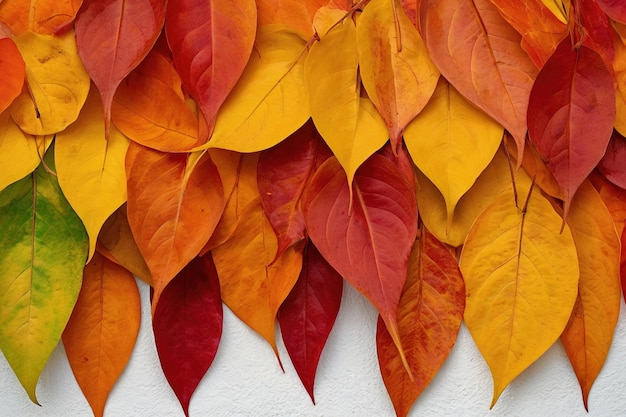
x,y
521,276
308,314
57,83
394,65
113,37
198,32
613,163
296,14
571,114
173,208
41,16
589,332
615,9
452,142
614,199
96,187
43,250
13,69
187,327
429,317
619,69
100,335
480,54
366,236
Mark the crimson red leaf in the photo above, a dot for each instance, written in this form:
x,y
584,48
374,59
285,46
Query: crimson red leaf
x,y
187,326
282,173
113,37
308,314
616,9
571,114
613,164
598,29
366,237
211,41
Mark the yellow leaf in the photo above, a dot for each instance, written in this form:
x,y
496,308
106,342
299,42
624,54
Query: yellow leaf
x,y
395,67
57,82
493,180
270,100
452,142
521,277
250,287
96,186
559,8
349,124
20,153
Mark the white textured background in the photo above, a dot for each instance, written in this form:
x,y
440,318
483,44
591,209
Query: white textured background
x,y
245,380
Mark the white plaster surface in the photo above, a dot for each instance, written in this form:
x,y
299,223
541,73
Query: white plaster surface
x,y
245,380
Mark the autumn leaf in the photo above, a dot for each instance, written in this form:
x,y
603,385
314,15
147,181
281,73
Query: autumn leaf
x,y
41,16
100,335
173,208
197,31
613,163
394,65
351,127
308,314
429,318
369,240
521,277
282,174
622,265
251,287
452,142
614,199
113,37
615,9
187,327
57,83
296,14
571,114
43,250
96,187
479,53
13,72
589,332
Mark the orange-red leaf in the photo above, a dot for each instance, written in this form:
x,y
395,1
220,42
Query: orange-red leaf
x,y
589,332
211,41
614,198
429,318
187,327
173,209
308,314
13,72
613,163
571,114
480,54
616,9
113,37
100,335
367,236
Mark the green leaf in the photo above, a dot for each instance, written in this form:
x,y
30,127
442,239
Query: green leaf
x,y
43,248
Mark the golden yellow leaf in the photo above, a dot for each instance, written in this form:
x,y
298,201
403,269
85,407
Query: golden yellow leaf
x,y
270,100
57,82
395,67
560,8
96,186
521,276
20,153
452,142
351,126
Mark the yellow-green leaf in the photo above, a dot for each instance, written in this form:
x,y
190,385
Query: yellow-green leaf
x,y
96,186
350,124
521,277
43,249
20,153
270,100
452,142
395,67
57,82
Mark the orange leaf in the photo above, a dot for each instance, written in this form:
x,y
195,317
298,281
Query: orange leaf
x,y
613,197
589,333
41,16
100,335
173,209
295,14
429,318
13,71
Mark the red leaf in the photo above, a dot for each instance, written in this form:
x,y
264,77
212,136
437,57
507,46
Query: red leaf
x,y
429,317
187,327
211,41
599,32
366,237
571,114
13,71
282,174
113,37
616,9
613,163
308,314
